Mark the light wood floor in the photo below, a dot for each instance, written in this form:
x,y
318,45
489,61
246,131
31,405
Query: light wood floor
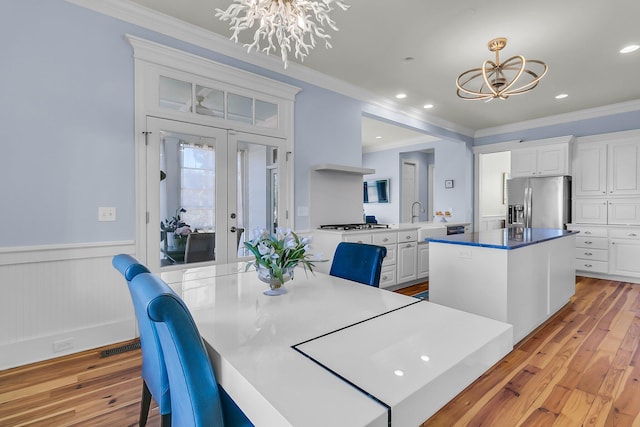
x,y
581,368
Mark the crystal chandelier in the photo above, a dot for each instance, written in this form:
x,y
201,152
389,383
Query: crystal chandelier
x,y
294,25
500,80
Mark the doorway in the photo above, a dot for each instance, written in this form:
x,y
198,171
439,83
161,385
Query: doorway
x,y
207,185
409,191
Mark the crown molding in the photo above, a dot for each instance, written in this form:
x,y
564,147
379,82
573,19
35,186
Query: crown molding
x,y
399,144
590,113
144,17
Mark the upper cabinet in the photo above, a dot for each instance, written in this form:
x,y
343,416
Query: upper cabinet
x,y
607,168
590,171
542,160
623,176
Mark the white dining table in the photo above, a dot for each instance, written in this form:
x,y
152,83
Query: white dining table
x,y
332,352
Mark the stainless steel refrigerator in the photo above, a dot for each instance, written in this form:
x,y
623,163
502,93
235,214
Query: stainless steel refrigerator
x,y
539,202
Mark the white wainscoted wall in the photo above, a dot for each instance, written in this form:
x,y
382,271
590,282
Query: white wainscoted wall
x,y
61,299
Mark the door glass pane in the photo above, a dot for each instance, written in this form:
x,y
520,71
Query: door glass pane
x,y
257,196
240,108
175,94
266,114
209,101
187,198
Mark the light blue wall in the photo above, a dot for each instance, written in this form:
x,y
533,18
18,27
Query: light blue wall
x,y
613,123
453,160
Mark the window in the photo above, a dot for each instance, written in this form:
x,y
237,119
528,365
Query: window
x,y
197,185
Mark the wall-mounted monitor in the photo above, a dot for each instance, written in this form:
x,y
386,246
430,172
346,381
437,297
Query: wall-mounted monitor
x,y
376,191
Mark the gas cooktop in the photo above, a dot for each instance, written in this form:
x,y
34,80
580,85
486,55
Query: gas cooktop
x,y
355,226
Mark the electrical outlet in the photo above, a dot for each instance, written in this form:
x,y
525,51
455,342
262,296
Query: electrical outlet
x,y
63,345
106,214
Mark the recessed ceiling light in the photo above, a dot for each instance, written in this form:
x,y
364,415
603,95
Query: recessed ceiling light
x,y
401,95
425,358
398,372
428,105
561,96
378,137
630,48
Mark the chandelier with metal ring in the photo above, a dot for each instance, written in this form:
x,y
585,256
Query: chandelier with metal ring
x,y
500,80
293,25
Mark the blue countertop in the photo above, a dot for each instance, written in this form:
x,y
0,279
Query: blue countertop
x,y
505,238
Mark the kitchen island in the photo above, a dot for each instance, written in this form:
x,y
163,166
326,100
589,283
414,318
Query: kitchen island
x,y
520,276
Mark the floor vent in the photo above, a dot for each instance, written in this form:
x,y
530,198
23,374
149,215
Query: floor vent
x,y
121,349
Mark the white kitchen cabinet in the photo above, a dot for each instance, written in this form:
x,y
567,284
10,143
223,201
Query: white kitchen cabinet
x,y
590,211
590,170
423,260
624,168
407,265
607,165
592,248
407,268
623,211
398,266
624,252
543,160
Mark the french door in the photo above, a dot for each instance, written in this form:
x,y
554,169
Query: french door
x,y
215,182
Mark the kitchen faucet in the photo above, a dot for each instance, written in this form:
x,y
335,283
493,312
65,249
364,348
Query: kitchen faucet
x,y
413,216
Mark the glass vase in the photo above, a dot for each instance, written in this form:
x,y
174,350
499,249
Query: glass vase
x,y
276,286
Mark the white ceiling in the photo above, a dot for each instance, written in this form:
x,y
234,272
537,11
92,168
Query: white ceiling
x,y
578,39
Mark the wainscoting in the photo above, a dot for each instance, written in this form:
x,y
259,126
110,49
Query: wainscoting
x,y
61,299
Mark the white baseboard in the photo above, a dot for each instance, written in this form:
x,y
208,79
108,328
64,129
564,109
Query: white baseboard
x,y
42,348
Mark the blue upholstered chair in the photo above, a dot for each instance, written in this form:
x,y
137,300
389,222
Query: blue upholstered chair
x,y
358,262
154,374
196,398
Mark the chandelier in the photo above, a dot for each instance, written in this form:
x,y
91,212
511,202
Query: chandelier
x,y
500,80
294,25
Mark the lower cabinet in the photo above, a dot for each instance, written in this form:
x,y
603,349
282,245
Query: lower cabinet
x,y
423,260
400,265
624,252
613,250
407,261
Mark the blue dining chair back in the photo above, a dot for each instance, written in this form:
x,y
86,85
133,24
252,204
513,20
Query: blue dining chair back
x,y
358,262
196,398
154,374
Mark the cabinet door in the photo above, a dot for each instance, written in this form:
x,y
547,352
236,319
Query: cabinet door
x,y
624,211
407,262
523,162
623,257
590,172
423,260
624,168
552,160
590,211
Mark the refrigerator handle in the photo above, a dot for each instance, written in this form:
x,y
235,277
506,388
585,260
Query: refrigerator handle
x,y
527,207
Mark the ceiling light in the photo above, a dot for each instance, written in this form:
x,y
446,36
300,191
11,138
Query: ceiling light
x,y
398,372
561,96
500,80
630,48
401,95
295,24
378,137
428,106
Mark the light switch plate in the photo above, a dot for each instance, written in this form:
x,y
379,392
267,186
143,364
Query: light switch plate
x,y
106,214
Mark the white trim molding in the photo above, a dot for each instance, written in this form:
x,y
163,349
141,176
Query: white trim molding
x,y
144,17
591,113
63,252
